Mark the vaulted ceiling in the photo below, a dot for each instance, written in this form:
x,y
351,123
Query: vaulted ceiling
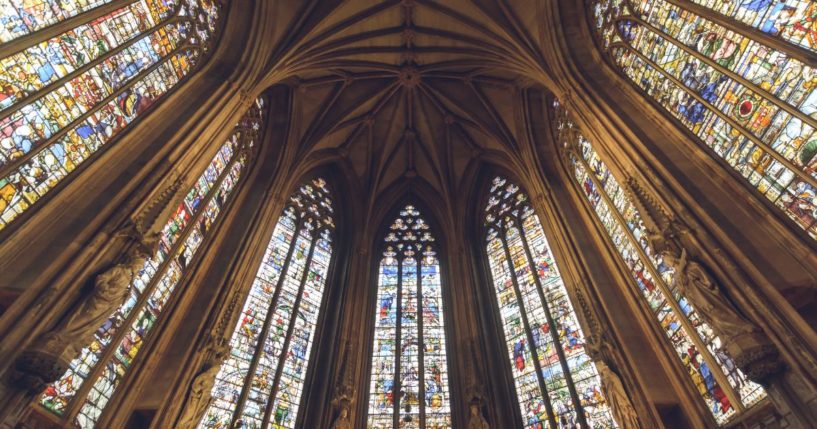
x,y
407,89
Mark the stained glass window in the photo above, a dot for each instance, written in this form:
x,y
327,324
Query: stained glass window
x,y
556,381
754,105
66,92
725,389
409,381
82,393
260,385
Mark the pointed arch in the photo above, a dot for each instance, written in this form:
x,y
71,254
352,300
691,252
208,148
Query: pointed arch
x,y
748,97
723,387
409,376
556,382
77,74
81,394
262,381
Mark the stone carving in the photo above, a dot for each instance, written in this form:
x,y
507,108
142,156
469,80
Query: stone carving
x,y
147,225
697,286
344,391
475,419
623,410
49,355
48,358
342,421
198,396
745,341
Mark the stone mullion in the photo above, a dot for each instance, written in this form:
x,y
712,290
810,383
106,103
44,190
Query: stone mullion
x,y
397,343
557,343
532,344
315,236
420,341
798,171
716,369
794,51
792,110
79,398
23,42
14,165
262,336
47,89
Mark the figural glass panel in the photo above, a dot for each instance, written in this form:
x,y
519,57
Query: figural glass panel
x,y
409,374
67,92
751,103
556,381
261,383
82,393
723,387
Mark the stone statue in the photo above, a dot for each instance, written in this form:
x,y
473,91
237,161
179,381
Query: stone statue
x,y
199,398
620,405
713,306
342,421
476,420
109,292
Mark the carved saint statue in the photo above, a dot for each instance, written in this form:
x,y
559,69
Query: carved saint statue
x,y
110,290
342,421
713,306
476,420
620,405
199,398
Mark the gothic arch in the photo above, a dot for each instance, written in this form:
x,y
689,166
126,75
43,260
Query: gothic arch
x,y
404,193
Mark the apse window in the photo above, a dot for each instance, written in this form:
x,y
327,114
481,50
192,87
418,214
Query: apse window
x,y
409,373
557,383
261,382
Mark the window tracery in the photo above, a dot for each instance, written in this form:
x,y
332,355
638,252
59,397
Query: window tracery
x,y
724,388
409,374
76,73
82,393
754,105
557,383
261,382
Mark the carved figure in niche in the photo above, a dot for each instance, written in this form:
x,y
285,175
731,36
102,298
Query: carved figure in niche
x,y
476,420
199,398
109,292
714,307
342,421
623,410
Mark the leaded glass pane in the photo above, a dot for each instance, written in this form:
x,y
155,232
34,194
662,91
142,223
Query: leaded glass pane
x,y
64,96
751,103
409,374
701,352
82,393
556,381
261,383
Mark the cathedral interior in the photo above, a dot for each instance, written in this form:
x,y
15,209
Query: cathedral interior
x,y
463,214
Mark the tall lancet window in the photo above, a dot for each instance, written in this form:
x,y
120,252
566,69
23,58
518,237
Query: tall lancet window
x,y
556,382
82,393
749,94
76,73
260,384
409,381
723,387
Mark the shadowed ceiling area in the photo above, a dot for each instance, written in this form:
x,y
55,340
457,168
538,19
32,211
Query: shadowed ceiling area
x,y
411,89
